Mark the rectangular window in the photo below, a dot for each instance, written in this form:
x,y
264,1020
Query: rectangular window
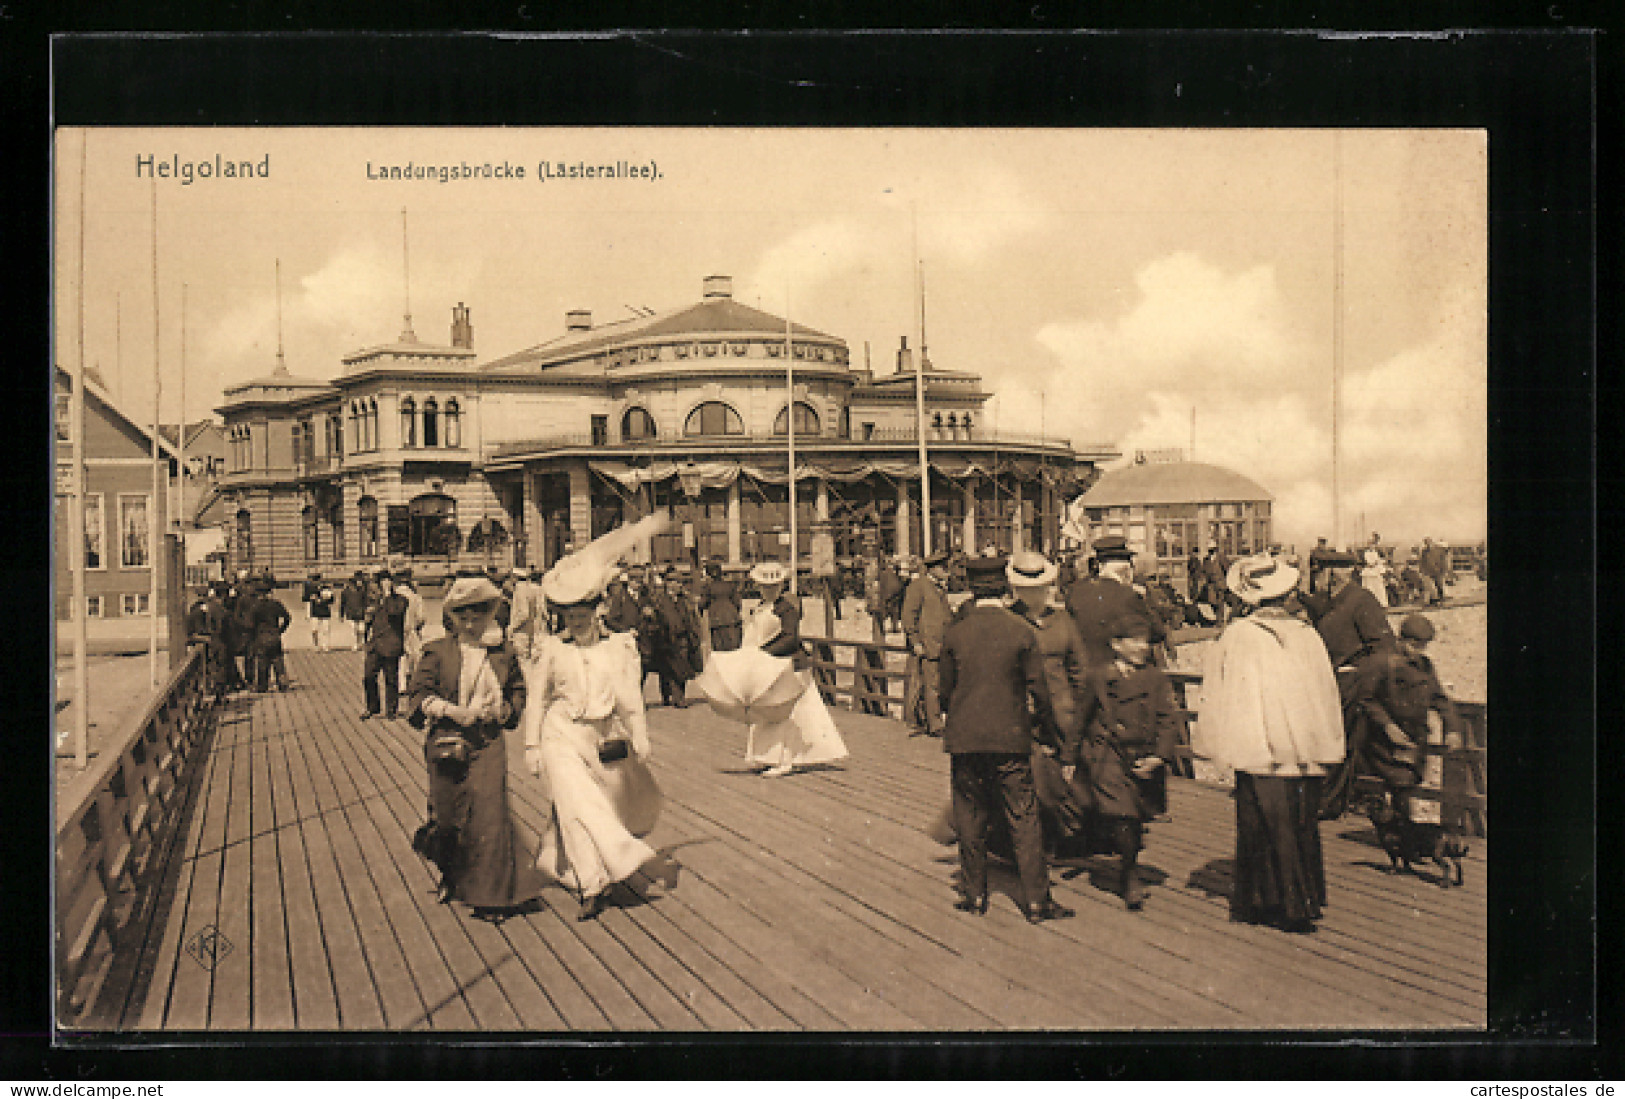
x,y
93,606
868,430
64,418
132,526
95,538
600,430
135,605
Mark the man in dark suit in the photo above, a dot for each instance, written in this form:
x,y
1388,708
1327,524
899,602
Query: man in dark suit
x,y
1355,630
386,642
271,620
925,618
1096,602
991,667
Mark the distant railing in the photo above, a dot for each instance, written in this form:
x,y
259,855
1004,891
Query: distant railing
x,y
976,436
106,839
861,677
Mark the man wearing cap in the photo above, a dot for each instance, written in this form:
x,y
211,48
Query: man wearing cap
x,y
621,614
270,619
245,632
1435,561
891,588
527,620
719,601
993,687
386,641
1098,601
1357,638
677,644
318,609
353,607
925,618
204,624
1406,693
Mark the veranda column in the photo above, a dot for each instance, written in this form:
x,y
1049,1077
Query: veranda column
x,y
902,519
821,502
531,510
1018,521
968,492
580,506
733,522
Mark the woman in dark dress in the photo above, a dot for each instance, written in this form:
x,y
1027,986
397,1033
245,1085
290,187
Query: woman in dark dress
x,y
466,691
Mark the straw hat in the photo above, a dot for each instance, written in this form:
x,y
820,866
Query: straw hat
x,y
1255,579
1029,569
467,591
573,581
769,572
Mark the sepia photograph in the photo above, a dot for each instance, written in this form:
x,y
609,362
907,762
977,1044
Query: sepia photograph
x,y
640,579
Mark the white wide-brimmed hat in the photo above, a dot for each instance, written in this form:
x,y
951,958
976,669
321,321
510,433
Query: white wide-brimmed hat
x,y
769,572
574,580
469,590
1260,577
1030,569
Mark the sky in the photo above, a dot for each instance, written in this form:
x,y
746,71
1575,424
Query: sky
x,y
1106,284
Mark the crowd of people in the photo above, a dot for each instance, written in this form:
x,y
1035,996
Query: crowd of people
x,y
1046,686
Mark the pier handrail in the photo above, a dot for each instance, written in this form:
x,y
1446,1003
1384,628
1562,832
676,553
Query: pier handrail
x,y
1462,794
106,837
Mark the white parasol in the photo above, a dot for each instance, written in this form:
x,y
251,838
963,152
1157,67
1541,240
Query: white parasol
x,y
750,686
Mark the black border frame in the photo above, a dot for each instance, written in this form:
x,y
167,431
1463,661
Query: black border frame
x,y
1535,91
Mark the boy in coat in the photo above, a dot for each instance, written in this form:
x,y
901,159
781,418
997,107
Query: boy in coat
x,y
991,668
1131,730
1405,693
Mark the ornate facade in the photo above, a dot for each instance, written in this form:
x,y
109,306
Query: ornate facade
x,y
421,451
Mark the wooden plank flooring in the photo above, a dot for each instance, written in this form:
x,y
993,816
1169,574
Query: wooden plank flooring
x,y
809,903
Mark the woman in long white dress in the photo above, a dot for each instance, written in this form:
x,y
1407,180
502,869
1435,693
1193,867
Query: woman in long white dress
x,y
586,686
809,734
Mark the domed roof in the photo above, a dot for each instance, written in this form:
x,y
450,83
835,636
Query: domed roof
x,y
717,317
1171,483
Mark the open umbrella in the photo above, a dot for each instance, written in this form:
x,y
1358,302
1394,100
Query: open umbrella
x,y
751,686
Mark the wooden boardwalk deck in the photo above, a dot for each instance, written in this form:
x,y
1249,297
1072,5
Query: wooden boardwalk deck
x,y
289,898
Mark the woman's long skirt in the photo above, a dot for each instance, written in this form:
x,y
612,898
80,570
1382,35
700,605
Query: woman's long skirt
x,y
482,859
1279,875
586,847
807,736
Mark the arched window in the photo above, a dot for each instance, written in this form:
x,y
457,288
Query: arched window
x,y
713,418
638,424
454,424
431,423
368,509
355,428
335,431
372,424
312,538
409,422
806,420
433,525
245,538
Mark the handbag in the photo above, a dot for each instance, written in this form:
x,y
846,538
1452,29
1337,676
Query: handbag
x,y
612,751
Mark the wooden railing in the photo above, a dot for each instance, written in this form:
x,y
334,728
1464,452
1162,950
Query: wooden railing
x,y
859,675
106,838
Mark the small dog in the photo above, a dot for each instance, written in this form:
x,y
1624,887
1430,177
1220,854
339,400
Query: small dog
x,y
1408,841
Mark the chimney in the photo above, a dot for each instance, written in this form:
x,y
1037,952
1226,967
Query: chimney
x,y
462,330
578,320
719,286
905,358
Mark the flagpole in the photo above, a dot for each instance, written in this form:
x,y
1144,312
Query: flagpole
x,y
157,482
1337,325
919,411
790,429
76,514
182,518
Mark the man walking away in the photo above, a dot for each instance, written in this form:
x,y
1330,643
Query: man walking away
x,y
353,605
991,668
925,618
270,619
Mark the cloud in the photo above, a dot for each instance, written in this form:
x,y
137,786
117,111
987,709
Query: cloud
x,y
1412,434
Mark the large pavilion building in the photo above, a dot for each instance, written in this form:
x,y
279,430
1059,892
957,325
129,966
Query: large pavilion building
x,y
421,452
1167,508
